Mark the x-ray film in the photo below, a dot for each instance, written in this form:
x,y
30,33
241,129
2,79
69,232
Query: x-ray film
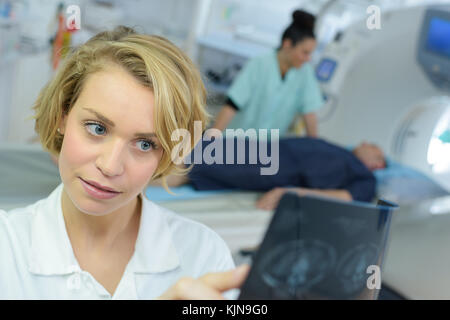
x,y
320,248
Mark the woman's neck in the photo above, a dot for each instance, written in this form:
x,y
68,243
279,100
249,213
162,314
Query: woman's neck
x,y
283,63
101,232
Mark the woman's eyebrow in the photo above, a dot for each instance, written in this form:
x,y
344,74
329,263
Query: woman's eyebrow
x,y
110,123
101,117
145,135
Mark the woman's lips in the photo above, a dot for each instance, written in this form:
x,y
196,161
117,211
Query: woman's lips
x,y
98,191
99,186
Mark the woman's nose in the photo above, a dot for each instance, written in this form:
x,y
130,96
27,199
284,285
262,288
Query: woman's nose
x,y
111,159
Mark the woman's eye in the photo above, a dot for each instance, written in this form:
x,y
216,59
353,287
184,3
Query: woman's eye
x,y
96,129
145,145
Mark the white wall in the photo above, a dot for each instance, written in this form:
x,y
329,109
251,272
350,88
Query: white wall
x,y
22,78
31,74
169,18
25,73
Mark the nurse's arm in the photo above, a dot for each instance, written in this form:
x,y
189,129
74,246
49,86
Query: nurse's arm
x,y
224,117
311,124
208,287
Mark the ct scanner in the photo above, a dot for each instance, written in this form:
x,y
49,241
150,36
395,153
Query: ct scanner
x,y
389,86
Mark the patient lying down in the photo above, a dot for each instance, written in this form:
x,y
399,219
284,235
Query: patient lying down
x,y
306,166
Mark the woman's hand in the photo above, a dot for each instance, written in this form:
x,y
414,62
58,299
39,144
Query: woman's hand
x,y
208,287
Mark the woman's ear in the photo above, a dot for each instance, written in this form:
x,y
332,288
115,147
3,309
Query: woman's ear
x,y
62,125
287,44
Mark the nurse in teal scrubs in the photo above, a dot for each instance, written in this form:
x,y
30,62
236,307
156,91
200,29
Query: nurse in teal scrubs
x,y
273,89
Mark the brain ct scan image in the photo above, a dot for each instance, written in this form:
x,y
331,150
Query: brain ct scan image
x,y
296,266
319,248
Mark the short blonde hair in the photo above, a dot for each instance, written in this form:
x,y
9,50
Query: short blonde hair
x,y
179,92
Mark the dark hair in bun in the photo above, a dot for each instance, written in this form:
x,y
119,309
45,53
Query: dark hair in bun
x,y
303,20
301,28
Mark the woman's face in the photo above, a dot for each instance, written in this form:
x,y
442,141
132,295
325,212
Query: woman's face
x,y
301,52
110,150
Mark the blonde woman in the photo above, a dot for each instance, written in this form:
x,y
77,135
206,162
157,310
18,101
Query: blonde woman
x,y
107,116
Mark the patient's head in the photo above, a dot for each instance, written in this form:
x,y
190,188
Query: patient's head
x,y
371,155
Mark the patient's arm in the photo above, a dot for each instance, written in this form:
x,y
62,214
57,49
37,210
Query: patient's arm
x,y
333,193
270,199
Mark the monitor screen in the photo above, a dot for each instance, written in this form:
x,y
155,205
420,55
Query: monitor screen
x,y
325,69
438,39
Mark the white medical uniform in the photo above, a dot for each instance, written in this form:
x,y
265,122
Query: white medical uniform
x,y
37,260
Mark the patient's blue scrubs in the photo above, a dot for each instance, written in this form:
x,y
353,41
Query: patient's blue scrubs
x,y
303,162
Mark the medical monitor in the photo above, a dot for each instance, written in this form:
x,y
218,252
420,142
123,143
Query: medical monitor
x,y
434,46
325,69
438,37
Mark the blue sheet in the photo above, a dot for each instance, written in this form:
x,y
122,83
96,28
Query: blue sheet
x,y
406,185
394,169
185,192
396,180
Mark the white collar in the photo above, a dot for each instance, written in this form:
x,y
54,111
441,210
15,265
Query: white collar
x,y
52,253
155,250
